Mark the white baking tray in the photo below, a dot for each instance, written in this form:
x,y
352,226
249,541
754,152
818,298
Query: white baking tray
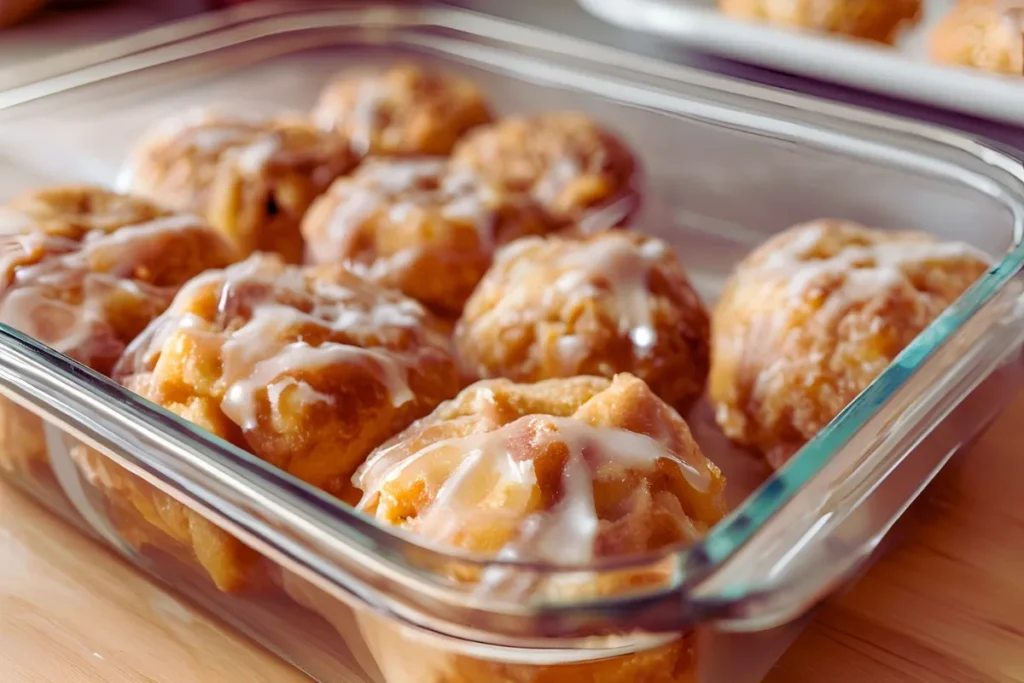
x,y
902,72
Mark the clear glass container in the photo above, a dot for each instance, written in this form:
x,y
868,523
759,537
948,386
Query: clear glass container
x,y
726,166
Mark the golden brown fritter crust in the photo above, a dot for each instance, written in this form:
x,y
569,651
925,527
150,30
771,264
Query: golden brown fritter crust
x,y
578,171
614,302
252,179
84,270
627,447
986,34
563,471
811,317
418,226
72,211
91,268
876,20
403,110
307,368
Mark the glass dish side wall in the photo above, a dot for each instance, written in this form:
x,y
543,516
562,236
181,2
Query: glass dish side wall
x,y
341,638
693,202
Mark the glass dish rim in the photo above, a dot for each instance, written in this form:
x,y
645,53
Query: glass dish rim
x,y
742,523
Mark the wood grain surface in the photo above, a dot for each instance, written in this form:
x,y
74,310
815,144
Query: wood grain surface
x,y
945,606
72,612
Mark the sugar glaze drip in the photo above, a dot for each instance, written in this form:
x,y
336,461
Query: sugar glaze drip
x,y
203,130
283,308
866,270
612,268
399,191
40,271
371,97
485,485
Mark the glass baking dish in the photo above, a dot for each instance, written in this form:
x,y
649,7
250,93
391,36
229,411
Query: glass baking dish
x,y
726,166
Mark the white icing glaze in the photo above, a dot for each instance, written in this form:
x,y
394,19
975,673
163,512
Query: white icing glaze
x,y
381,181
33,301
804,240
306,394
371,94
266,355
558,176
571,350
608,216
487,481
14,222
65,327
213,138
470,200
129,245
348,216
205,131
623,270
240,401
611,268
398,190
866,271
252,159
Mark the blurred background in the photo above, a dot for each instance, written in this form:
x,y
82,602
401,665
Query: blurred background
x,y
36,29
82,21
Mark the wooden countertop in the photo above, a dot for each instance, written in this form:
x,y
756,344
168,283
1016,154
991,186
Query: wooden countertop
x,y
945,606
